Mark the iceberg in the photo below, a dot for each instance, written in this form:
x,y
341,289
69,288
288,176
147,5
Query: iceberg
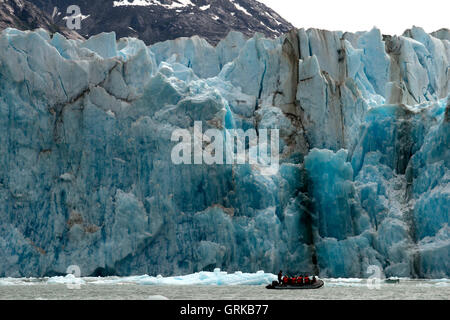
x,y
215,278
86,176
69,279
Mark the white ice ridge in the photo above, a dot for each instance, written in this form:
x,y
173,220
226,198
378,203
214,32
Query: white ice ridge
x,y
68,279
144,3
216,278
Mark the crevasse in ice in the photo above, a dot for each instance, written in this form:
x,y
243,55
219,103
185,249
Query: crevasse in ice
x,y
86,176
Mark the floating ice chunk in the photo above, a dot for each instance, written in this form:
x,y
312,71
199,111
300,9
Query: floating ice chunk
x,y
68,279
6,282
217,277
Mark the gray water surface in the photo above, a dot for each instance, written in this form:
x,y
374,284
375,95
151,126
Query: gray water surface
x,y
411,289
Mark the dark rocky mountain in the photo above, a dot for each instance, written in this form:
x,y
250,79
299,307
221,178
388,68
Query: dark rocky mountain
x,y
160,20
23,15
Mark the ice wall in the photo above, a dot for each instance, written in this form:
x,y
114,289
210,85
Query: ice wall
x,y
86,176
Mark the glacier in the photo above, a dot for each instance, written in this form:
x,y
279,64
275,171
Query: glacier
x,y
86,176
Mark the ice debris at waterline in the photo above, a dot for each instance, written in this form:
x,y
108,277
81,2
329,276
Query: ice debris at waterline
x,y
216,278
201,278
204,278
86,177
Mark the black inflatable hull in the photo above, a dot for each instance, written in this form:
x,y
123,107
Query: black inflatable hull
x,y
318,284
392,281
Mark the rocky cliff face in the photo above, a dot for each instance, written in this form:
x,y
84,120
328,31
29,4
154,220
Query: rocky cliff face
x,y
159,20
86,176
23,15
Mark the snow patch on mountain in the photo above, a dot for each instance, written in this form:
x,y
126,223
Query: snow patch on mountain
x,y
240,8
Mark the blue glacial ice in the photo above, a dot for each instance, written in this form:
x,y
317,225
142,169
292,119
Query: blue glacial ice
x,y
86,176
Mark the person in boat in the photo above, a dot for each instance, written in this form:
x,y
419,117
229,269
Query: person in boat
x,y
280,277
314,279
285,280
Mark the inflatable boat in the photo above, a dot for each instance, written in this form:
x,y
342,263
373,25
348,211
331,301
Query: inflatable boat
x,y
392,281
275,285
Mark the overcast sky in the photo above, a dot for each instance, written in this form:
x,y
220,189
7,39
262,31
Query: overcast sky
x,y
391,16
